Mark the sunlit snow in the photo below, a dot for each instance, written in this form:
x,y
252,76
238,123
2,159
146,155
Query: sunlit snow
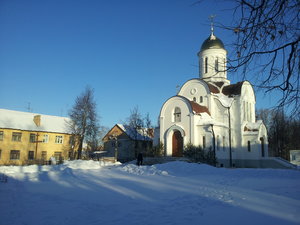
x,y
90,192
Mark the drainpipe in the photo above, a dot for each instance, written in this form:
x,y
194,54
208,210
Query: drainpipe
x,y
36,145
230,150
214,141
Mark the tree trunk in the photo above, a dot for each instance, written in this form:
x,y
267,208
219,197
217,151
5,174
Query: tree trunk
x,y
80,148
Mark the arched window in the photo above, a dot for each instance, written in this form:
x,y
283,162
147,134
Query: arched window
x,y
201,99
262,143
203,142
194,99
206,65
217,65
177,115
218,142
249,146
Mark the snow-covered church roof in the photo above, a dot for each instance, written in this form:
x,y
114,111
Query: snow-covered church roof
x,y
253,127
25,121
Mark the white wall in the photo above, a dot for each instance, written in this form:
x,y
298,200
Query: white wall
x,y
168,125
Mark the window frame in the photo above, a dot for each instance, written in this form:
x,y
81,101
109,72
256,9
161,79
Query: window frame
x,y
1,135
58,155
30,155
44,155
218,142
201,99
16,136
177,114
217,65
59,139
45,140
15,153
32,138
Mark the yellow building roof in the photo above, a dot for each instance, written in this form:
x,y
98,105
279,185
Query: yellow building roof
x,y
28,121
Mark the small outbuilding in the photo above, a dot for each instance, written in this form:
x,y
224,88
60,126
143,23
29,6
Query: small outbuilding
x,y
125,143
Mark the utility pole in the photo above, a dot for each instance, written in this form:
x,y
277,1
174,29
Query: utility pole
x,y
114,137
36,145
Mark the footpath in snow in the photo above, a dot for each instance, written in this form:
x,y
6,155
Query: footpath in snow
x,y
90,193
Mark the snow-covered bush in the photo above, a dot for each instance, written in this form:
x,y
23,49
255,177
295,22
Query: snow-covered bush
x,y
197,154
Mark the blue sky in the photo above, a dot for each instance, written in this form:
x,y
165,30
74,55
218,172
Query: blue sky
x,y
133,53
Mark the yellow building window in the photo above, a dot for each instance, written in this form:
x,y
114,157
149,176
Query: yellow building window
x,y
58,156
45,138
1,135
32,138
14,154
16,136
31,155
44,155
59,139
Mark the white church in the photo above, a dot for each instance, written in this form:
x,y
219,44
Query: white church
x,y
212,113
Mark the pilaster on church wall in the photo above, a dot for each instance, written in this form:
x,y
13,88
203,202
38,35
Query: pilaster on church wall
x,y
161,129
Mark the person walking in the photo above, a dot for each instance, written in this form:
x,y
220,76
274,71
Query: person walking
x,y
140,159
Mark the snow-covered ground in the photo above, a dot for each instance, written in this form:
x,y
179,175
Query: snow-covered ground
x,y
90,193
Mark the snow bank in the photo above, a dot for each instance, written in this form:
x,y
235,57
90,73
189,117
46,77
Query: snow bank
x,y
181,168
21,172
88,164
142,170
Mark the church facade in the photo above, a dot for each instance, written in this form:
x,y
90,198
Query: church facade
x,y
212,113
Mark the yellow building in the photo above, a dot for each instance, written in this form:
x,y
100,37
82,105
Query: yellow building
x,y
28,138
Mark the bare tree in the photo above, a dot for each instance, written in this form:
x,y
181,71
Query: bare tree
x,y
148,125
283,132
267,45
84,122
135,120
141,129
135,123
102,132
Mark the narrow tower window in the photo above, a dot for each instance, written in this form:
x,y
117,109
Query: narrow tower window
x,y
217,65
206,65
201,99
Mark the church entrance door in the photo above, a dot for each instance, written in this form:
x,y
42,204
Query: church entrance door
x,y
177,144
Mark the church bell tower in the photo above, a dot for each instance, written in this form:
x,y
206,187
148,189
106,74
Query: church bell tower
x,y
212,60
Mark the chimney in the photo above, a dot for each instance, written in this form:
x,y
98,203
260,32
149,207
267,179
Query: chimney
x,y
37,120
